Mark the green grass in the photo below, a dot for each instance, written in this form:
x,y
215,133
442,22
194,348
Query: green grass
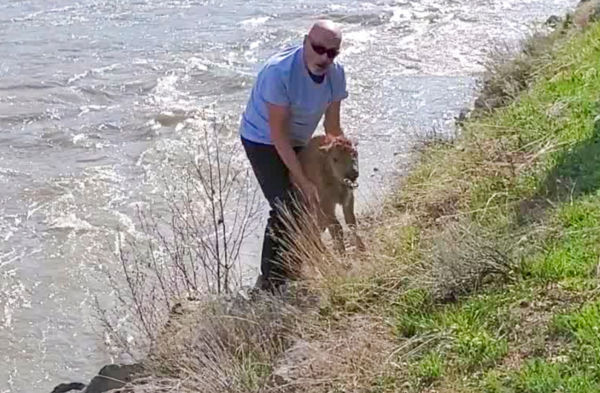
x,y
429,369
530,173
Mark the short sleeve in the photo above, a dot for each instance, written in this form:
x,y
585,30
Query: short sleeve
x,y
274,90
340,91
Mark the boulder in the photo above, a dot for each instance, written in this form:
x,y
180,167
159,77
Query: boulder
x,y
113,376
296,363
553,20
68,387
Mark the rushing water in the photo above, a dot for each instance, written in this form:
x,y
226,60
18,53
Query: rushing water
x,y
85,87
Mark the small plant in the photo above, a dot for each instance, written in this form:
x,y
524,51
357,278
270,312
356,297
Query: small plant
x,y
479,349
430,368
539,377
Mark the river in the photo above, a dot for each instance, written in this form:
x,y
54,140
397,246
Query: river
x,y
86,85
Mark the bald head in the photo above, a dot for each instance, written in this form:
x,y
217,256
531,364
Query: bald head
x,y
325,29
321,45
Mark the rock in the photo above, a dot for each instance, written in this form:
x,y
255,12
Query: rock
x,y
556,110
67,387
296,363
463,116
113,376
283,372
553,20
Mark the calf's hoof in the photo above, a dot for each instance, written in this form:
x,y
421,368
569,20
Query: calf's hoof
x,y
359,244
339,247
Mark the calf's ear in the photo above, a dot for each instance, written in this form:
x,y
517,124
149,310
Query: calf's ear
x,y
326,147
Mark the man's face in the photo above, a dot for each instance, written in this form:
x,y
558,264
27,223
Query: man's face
x,y
320,50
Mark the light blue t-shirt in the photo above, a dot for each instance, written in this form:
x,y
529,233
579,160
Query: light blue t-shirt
x,y
284,80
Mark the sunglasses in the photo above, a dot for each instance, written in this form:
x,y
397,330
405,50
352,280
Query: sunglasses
x,y
319,49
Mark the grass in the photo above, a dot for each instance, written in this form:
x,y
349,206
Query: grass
x,y
482,278
526,173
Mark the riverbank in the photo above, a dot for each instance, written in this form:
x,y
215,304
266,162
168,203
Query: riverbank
x,y
481,274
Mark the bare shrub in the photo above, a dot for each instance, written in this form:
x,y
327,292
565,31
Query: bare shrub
x,y
462,259
193,248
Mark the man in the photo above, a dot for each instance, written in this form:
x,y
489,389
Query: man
x,y
293,91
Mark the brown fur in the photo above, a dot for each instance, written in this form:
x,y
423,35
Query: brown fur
x,y
318,165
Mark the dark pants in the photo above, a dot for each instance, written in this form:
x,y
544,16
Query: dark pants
x,y
273,176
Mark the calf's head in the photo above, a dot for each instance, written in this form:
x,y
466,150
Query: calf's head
x,y
341,159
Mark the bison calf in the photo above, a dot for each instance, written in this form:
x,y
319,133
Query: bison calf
x,y
331,164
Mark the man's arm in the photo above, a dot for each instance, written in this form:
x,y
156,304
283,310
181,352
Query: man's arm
x,y
275,95
278,122
332,119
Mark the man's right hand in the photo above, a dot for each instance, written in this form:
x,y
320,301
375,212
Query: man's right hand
x,y
310,193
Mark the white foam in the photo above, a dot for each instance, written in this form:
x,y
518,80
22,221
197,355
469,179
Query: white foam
x,y
358,41
195,63
102,70
78,138
254,22
400,15
360,36
70,221
88,108
104,173
337,7
14,292
76,77
165,92
126,222
7,315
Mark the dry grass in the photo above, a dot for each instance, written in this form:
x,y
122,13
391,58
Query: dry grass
x,y
462,259
224,345
267,343
348,357
258,342
587,12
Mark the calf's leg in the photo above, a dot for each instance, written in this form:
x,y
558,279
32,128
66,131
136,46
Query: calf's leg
x,y
350,218
334,226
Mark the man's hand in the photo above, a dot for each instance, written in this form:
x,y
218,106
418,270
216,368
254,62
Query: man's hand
x,y
310,193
